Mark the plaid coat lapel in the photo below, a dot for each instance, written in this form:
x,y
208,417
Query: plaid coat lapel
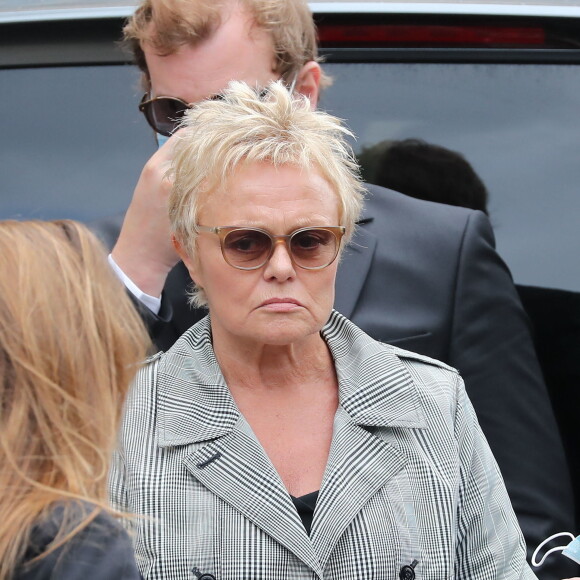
x,y
375,388
358,466
236,469
193,401
375,391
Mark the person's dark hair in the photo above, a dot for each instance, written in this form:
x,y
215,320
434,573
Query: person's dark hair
x,y
426,171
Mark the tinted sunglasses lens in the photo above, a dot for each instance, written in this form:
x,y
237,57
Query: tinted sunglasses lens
x,y
314,248
164,115
246,248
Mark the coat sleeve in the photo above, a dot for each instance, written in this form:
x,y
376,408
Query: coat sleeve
x,y
491,346
489,543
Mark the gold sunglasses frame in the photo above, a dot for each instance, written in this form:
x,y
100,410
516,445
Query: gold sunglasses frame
x,y
223,231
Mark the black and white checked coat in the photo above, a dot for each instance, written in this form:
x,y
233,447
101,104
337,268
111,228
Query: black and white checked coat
x,y
409,475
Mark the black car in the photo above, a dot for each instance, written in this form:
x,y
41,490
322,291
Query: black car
x,y
498,82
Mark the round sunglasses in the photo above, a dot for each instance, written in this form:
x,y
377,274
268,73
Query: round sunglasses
x,y
164,114
311,248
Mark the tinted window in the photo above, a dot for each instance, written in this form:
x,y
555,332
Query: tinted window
x,y
73,143
518,125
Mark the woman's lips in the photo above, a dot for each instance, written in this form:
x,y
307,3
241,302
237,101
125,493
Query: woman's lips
x,y
281,304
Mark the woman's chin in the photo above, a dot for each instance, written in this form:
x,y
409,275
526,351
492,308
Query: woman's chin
x,y
283,330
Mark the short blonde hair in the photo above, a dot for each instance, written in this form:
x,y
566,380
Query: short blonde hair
x,y
70,343
166,25
245,127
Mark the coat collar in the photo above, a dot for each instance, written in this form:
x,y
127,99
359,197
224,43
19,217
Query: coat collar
x,y
195,405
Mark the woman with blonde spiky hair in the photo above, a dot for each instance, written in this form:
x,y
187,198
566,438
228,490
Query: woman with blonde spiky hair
x,y
276,440
70,342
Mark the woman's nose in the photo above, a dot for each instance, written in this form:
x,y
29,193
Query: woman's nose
x,y
280,265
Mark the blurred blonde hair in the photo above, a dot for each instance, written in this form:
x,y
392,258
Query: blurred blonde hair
x,y
243,126
167,25
70,343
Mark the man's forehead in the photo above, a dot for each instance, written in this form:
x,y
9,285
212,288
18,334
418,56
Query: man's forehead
x,y
237,50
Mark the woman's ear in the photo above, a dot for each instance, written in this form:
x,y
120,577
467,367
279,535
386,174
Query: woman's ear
x,y
190,263
308,81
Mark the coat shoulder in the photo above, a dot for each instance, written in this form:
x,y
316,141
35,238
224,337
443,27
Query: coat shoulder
x,y
381,202
407,355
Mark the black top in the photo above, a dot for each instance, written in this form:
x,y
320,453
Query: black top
x,y
305,505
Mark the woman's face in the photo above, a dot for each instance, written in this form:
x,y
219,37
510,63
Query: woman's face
x,y
278,303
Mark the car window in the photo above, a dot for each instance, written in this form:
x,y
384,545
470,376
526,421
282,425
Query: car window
x,y
518,125
73,143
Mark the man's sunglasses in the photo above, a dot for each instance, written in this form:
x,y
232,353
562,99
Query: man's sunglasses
x,y
310,248
164,114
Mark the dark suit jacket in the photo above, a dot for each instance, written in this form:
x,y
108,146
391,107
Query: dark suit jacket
x,y
101,551
426,277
